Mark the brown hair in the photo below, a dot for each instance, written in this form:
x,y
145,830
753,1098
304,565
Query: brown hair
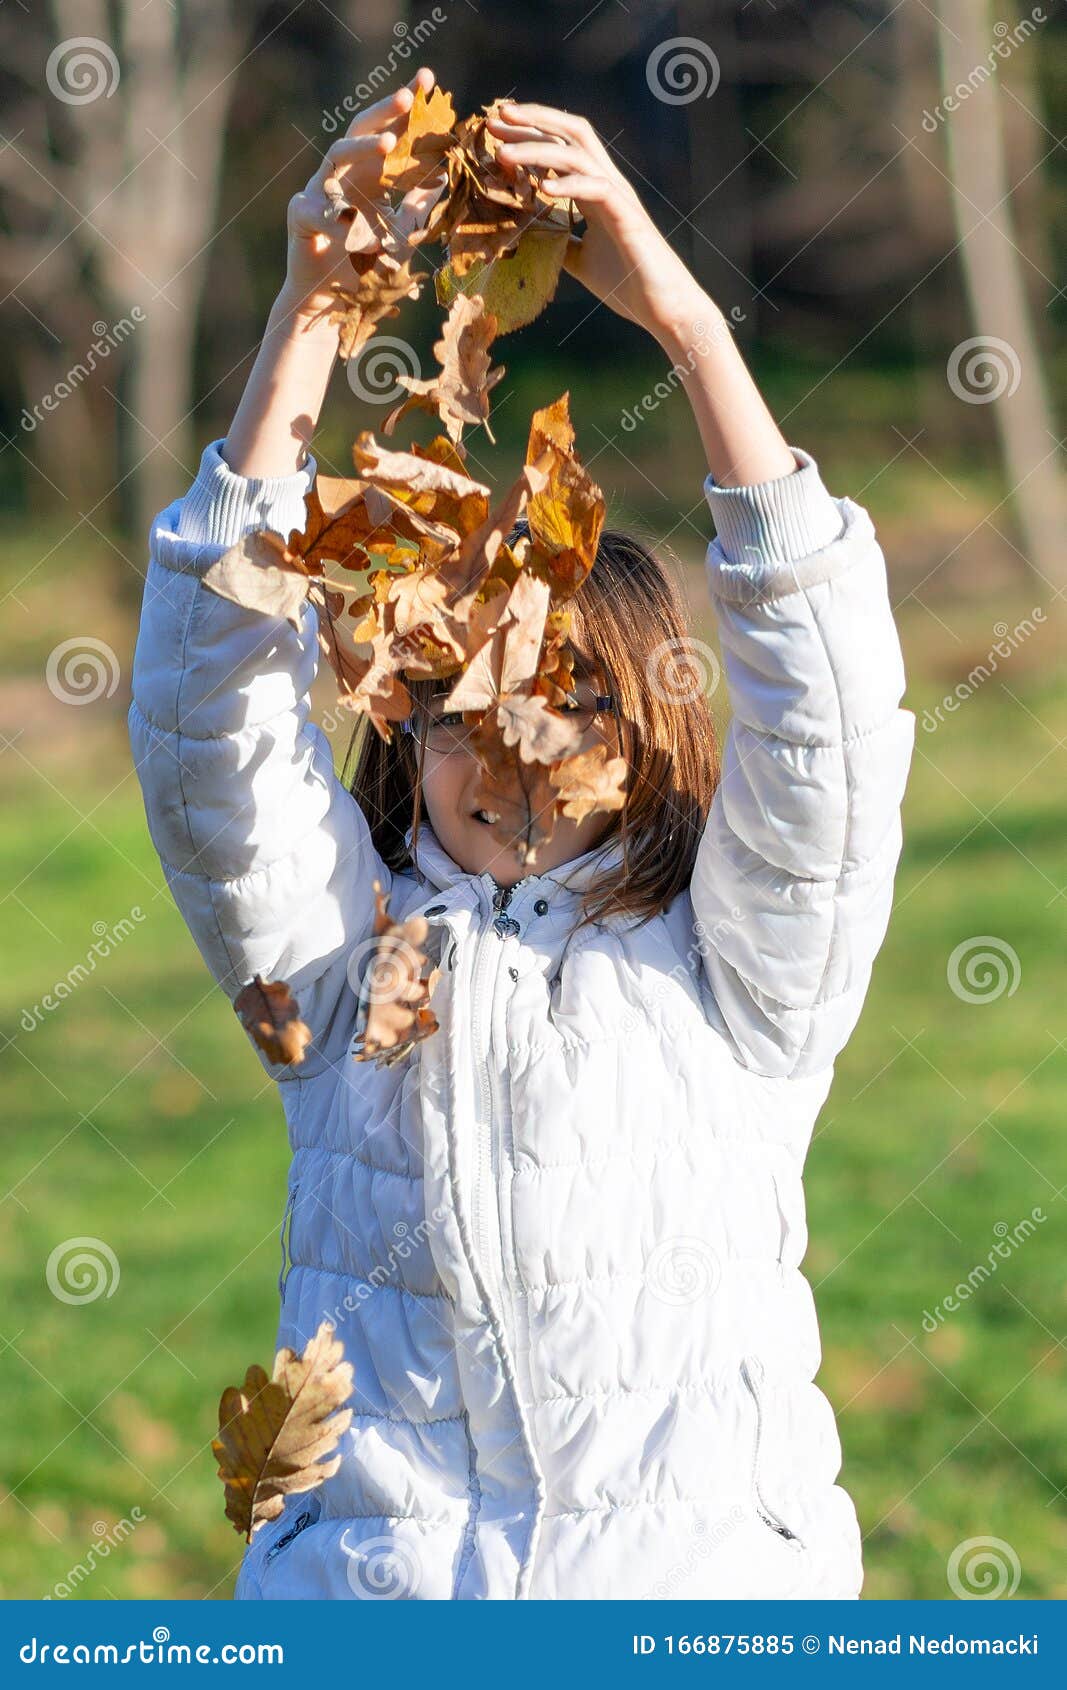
x,y
628,628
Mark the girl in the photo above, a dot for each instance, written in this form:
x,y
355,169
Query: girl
x,y
561,1239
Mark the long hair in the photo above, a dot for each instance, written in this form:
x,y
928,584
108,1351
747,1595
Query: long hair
x,y
628,629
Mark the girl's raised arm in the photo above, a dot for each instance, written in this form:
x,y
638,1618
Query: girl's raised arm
x,y
268,857
794,877
793,882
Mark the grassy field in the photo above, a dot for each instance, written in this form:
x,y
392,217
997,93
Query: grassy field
x,y
135,1114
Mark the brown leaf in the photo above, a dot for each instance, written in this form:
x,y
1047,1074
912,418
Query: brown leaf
x,y
420,150
271,1014
460,392
541,734
274,1433
376,295
507,663
467,570
590,781
566,516
394,1001
258,575
518,793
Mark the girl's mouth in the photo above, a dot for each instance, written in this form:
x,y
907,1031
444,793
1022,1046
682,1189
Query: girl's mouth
x,y
488,818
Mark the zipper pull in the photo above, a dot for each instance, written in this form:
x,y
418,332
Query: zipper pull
x,y
504,925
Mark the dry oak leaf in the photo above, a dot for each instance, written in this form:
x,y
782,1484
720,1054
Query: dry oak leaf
x,y
460,392
566,517
271,1014
424,482
260,573
590,781
469,569
274,1433
507,663
421,148
378,294
394,1004
338,527
519,794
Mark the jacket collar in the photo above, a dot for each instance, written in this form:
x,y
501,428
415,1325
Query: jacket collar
x,y
563,884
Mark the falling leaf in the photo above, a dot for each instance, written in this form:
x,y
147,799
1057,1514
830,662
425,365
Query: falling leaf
x,y
270,1013
460,392
258,575
394,1005
590,781
566,515
274,1433
376,296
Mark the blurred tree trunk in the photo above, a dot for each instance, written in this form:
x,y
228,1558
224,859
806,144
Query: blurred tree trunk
x,y
133,173
992,269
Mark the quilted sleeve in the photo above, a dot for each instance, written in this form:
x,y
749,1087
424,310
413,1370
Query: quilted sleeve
x,y
793,882
268,857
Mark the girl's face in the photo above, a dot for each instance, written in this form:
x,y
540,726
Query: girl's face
x,y
450,776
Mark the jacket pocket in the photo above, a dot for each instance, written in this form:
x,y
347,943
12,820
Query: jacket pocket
x,y
284,1237
752,1375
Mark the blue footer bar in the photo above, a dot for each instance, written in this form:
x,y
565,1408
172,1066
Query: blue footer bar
x,y
547,1645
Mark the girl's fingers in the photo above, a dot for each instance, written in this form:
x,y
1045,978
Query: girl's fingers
x,y
587,190
366,152
555,122
548,155
505,131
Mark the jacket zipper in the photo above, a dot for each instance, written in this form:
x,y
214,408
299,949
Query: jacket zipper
x,y
766,1514
485,962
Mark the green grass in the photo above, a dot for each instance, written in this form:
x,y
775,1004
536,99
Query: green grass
x,y
136,1114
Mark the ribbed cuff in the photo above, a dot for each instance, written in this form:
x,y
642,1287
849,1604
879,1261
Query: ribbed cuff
x,y
222,507
778,521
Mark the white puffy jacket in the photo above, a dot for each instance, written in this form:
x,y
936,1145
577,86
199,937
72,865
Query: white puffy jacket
x,y
561,1243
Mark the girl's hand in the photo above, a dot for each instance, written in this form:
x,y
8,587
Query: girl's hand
x,y
622,258
317,256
